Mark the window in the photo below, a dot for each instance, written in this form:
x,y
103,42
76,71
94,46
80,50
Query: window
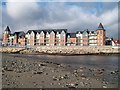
x,y
100,40
63,34
85,40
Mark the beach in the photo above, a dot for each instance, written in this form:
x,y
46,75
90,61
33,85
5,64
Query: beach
x,y
26,72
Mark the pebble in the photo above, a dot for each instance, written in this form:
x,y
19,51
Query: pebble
x,y
34,67
113,72
104,86
51,83
71,85
38,72
55,78
81,70
82,84
59,83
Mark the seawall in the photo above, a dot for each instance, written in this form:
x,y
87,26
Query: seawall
x,y
78,50
10,49
63,50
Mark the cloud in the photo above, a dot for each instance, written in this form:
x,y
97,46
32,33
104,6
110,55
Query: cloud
x,y
33,15
21,10
110,17
21,1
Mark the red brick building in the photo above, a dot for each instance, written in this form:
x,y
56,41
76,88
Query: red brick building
x,y
101,35
5,36
55,37
71,39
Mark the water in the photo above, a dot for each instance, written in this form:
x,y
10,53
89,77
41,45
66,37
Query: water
x,y
107,62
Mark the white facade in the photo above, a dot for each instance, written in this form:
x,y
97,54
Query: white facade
x,y
47,37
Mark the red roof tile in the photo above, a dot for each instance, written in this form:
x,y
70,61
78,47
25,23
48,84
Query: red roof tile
x,y
116,41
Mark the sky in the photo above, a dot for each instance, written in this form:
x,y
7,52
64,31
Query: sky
x,y
24,15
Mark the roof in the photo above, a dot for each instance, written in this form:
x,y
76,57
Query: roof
x,y
80,32
92,32
7,29
100,27
16,33
86,31
116,41
19,34
60,30
47,30
29,31
72,35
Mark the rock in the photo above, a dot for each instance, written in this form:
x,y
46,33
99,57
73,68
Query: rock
x,y
100,72
55,78
51,83
40,72
87,79
59,83
104,86
39,65
71,85
81,70
103,69
19,71
46,73
43,64
75,71
82,84
114,72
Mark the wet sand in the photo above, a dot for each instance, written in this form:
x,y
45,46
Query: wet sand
x,y
21,72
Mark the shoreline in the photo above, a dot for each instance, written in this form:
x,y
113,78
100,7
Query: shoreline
x,y
58,54
63,51
25,72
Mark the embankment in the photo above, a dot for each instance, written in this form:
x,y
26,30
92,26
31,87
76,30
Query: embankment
x,y
78,50
64,50
11,50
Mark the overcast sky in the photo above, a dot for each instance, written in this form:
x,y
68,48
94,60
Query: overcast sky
x,y
74,16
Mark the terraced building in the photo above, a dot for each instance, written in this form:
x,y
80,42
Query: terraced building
x,y
55,37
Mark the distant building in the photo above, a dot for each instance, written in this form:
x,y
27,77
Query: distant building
x,y
91,38
115,42
55,37
46,37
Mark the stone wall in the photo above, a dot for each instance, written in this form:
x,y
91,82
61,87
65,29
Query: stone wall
x,y
77,50
11,49
65,50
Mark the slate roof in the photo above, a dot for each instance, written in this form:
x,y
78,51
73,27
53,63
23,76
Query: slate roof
x,y
7,29
86,31
19,34
92,32
47,30
80,32
72,35
29,31
100,27
16,33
